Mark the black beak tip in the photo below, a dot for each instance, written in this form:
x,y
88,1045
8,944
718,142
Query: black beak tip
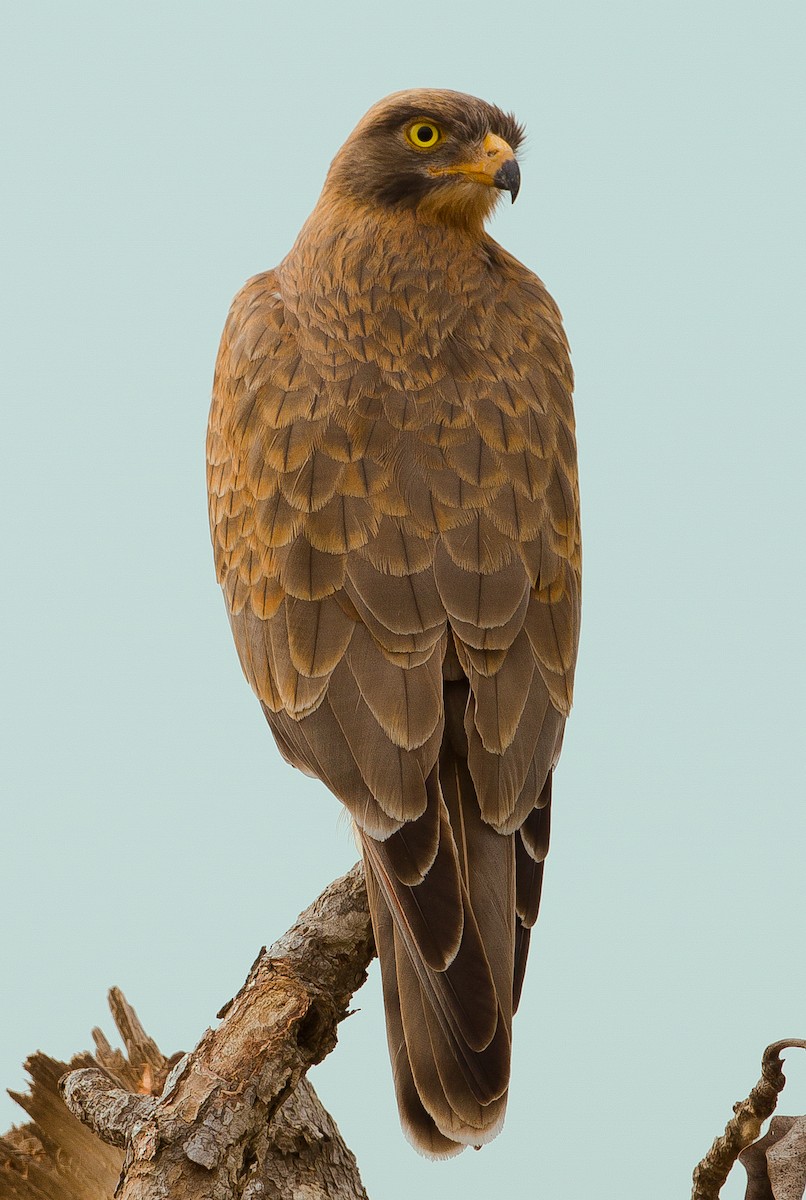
x,y
508,178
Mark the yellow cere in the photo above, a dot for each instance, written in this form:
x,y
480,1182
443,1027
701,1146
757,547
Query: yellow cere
x,y
424,135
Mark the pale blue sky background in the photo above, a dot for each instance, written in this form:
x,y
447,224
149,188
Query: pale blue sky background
x,y
160,153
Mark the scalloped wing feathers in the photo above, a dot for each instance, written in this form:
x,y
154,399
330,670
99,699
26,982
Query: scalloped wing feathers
x,y
394,513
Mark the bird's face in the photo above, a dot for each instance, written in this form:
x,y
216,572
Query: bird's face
x,y
445,154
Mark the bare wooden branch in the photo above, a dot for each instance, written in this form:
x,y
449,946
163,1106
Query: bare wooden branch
x,y
112,1113
786,1162
759,1159
233,1120
745,1125
237,1120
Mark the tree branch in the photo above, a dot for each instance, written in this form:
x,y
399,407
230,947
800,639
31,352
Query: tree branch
x,y
745,1125
235,1119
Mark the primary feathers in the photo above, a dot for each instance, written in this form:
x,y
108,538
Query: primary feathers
x,y
394,512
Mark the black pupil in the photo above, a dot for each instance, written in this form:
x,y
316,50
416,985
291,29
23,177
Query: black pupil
x,y
425,133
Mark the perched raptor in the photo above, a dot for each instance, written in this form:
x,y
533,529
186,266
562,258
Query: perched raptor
x,y
395,516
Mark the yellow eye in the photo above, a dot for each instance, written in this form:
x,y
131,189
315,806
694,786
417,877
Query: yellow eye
x,y
424,135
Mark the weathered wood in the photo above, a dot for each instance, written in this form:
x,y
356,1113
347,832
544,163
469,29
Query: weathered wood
x,y
233,1120
745,1124
237,1120
55,1157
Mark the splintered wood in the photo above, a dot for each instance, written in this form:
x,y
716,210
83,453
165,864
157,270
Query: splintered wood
x,y
234,1119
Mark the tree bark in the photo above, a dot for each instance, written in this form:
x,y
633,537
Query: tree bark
x,y
233,1120
743,1129
236,1119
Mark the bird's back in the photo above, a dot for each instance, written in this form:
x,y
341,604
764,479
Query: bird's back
x,y
393,503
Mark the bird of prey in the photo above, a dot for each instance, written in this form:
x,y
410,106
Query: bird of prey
x,y
394,512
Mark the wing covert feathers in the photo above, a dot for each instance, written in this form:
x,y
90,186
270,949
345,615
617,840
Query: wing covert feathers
x,y
394,514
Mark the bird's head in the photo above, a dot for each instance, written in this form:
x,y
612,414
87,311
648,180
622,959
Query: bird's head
x,y
447,155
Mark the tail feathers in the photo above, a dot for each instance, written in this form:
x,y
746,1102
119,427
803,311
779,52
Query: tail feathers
x,y
418,1124
447,948
522,939
456,975
531,848
457,1085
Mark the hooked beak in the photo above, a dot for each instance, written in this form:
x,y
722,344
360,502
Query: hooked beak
x,y
508,178
496,166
